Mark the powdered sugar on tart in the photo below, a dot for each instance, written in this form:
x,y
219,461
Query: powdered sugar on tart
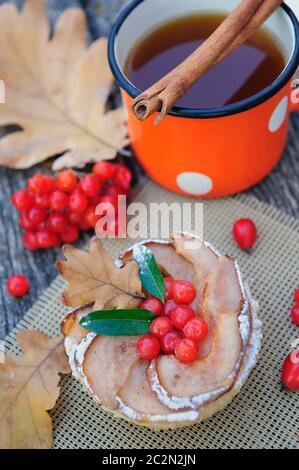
x,y
137,400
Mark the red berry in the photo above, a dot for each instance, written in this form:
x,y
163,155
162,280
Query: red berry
x,y
75,218
104,170
290,371
41,200
78,202
196,329
58,201
84,224
37,215
110,199
22,200
160,327
90,218
57,222
91,185
153,305
41,184
169,342
40,225
148,347
70,234
169,306
49,184
30,240
66,181
35,183
25,222
186,351
17,285
169,281
295,314
94,201
296,296
46,238
181,315
245,233
78,190
122,177
183,292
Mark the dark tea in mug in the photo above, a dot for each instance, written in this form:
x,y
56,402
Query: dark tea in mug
x,y
250,69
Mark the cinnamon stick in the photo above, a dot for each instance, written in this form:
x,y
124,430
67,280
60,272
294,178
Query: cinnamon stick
x,y
233,31
266,9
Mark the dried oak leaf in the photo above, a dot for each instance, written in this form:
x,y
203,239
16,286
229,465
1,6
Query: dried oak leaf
x,y
93,277
55,90
29,387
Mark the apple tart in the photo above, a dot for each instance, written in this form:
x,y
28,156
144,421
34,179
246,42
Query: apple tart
x,y
165,393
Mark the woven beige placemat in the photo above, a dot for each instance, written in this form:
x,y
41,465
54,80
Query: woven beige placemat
x,y
262,416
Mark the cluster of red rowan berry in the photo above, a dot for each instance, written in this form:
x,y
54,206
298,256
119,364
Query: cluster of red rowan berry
x,y
54,211
176,330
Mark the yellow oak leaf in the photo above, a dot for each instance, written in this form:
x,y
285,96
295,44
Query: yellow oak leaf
x,y
93,277
28,388
56,90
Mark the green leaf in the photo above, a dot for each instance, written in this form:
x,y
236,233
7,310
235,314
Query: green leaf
x,y
131,322
150,275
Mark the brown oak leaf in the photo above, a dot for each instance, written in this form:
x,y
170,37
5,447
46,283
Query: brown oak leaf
x,y
28,388
56,90
93,277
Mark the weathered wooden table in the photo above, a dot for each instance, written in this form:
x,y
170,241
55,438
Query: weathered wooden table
x,y
281,188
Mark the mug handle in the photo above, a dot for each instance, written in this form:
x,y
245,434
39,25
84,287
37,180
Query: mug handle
x,y
294,101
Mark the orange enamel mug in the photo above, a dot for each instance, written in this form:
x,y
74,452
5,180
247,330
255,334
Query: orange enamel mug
x,y
210,152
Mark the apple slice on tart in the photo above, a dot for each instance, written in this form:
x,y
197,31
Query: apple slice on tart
x,y
182,386
163,392
105,364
